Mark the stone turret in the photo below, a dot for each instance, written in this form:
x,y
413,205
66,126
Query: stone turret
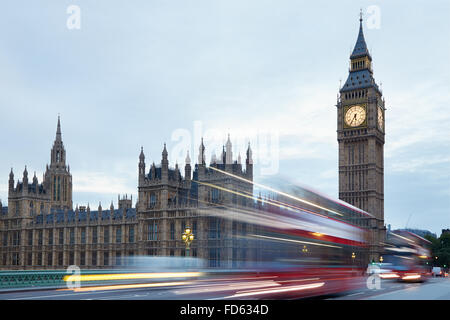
x,y
249,163
11,180
25,180
187,167
141,163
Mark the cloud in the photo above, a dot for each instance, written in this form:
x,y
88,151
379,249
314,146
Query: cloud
x,y
423,164
100,182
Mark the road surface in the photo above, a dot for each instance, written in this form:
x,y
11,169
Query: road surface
x,y
434,289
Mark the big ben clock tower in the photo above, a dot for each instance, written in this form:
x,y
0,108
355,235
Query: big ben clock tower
x,y
361,132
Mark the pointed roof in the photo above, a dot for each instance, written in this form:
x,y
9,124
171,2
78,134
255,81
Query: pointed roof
x,y
141,155
201,153
360,78
164,154
360,49
58,130
188,159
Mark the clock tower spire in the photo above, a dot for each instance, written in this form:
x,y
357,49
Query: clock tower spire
x,y
361,134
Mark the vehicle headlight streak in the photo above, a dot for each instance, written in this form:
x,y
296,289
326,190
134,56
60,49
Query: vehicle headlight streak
x,y
296,241
277,290
278,192
131,276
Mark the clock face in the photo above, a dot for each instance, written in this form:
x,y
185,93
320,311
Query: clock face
x,y
355,116
380,118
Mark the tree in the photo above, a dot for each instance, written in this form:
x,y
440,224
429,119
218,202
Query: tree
x,y
440,248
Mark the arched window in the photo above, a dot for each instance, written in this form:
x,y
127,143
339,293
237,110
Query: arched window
x,y
152,202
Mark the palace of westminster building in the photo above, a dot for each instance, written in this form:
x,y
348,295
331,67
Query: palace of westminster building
x,y
39,228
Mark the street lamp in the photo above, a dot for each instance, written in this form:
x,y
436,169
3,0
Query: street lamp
x,y
353,261
381,259
305,249
187,237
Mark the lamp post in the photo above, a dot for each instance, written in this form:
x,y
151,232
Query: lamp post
x,y
353,261
381,259
187,237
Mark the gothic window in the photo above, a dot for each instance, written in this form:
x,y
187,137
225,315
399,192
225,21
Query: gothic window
x,y
214,257
71,236
106,235
15,259
131,235
61,236
64,189
94,258
118,258
30,237
172,231
54,188
50,259
31,208
50,237
214,228
119,234
194,228
71,258
59,189
353,155
152,202
360,181
5,239
152,231
16,238
57,156
40,237
94,235
83,235
106,258
214,195
82,258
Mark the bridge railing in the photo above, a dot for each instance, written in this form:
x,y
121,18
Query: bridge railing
x,y
38,278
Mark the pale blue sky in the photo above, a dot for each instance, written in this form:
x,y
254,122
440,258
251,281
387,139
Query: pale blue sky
x,y
136,72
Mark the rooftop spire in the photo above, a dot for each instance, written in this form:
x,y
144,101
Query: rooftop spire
x,y
201,154
188,159
58,130
229,152
360,49
164,155
141,155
